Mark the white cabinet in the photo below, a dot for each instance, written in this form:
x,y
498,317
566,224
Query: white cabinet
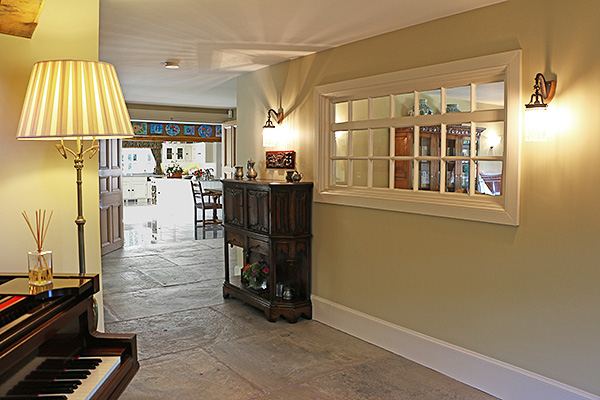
x,y
136,188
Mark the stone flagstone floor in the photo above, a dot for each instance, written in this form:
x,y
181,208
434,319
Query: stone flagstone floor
x,y
193,344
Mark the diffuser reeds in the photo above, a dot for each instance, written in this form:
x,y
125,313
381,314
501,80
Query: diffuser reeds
x,y
40,262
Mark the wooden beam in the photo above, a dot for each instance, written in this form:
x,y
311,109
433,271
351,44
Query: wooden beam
x,y
20,17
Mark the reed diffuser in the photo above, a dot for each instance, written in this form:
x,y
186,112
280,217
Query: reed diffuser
x,y
39,261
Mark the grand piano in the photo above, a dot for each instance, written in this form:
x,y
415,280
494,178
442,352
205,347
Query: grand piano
x,y
50,348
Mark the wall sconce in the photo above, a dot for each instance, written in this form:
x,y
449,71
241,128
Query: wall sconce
x,y
536,117
171,64
269,131
493,139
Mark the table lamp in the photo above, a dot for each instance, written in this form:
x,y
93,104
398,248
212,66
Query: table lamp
x,y
74,100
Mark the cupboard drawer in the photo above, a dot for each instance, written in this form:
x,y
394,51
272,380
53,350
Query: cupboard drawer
x,y
235,238
258,246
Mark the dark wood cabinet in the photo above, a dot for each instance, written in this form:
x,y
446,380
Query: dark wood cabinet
x,y
269,221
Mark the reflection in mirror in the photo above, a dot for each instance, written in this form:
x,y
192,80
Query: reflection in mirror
x,y
458,99
341,112
404,141
381,142
429,140
489,177
458,140
489,96
403,175
457,176
360,110
403,103
430,102
491,142
360,143
340,143
381,173
381,107
429,175
340,170
359,172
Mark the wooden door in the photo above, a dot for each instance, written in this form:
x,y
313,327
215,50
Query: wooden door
x,y
111,195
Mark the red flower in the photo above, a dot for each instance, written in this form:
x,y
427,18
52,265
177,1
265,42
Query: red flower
x,y
265,270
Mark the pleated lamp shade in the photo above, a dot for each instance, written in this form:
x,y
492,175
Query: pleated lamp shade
x,y
74,99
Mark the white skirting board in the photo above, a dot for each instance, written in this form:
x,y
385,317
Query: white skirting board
x,y
484,373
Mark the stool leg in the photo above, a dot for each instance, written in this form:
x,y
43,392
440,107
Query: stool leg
x,y
195,223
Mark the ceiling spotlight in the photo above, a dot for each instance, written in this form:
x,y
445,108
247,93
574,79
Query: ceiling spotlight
x,y
172,64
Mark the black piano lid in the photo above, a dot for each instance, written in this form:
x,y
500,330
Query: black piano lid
x,y
62,285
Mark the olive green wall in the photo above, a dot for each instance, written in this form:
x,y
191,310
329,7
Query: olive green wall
x,y
526,295
33,174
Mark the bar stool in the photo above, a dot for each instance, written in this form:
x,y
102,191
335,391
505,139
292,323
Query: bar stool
x,y
203,201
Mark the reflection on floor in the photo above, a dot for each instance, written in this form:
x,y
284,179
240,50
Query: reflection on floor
x,y
146,224
195,345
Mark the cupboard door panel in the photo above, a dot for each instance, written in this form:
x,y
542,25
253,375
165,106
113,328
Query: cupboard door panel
x,y
258,210
233,203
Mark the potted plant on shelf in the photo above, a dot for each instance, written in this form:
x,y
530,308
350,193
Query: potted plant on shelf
x,y
174,170
256,275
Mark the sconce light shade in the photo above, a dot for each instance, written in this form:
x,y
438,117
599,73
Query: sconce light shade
x,y
269,131
73,99
536,120
493,140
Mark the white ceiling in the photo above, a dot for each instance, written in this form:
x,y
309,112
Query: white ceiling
x,y
217,40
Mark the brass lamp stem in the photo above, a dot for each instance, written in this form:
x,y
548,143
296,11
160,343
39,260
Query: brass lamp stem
x,y
78,163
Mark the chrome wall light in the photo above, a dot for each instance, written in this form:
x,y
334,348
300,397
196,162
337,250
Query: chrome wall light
x,y
171,64
536,119
269,131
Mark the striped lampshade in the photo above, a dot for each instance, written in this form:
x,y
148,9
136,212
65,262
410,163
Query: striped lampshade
x,y
73,99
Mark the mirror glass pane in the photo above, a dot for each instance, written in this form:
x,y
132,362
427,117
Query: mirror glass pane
x,y
381,142
360,110
403,175
381,173
489,96
458,140
403,103
458,99
457,176
340,143
403,141
429,175
360,143
489,177
429,140
359,172
491,139
341,112
430,102
381,107
340,169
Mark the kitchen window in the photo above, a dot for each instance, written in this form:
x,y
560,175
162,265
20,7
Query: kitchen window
x,y
440,140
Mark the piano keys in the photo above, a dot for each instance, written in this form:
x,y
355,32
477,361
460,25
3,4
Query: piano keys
x,y
50,349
